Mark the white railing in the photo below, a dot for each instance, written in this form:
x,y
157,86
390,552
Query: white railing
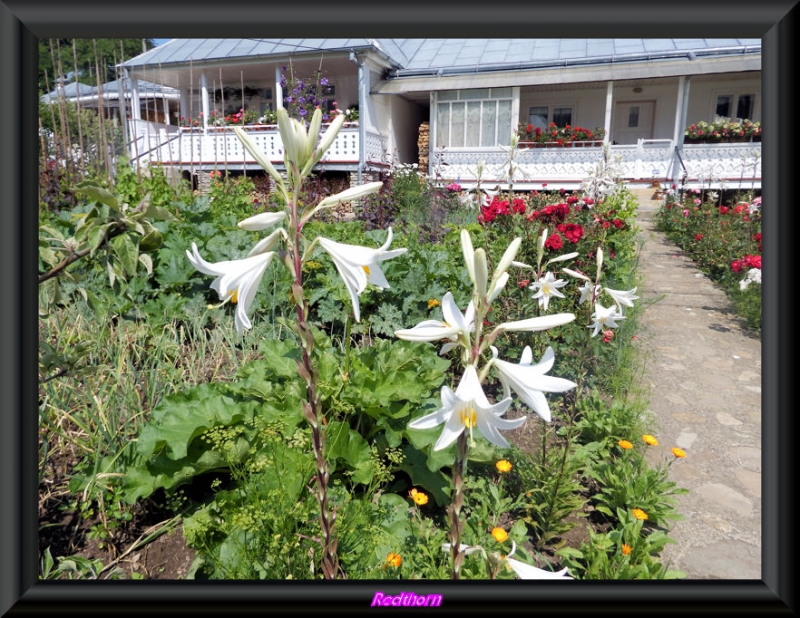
x,y
569,166
215,147
723,163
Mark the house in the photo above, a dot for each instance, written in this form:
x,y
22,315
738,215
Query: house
x,y
155,103
450,104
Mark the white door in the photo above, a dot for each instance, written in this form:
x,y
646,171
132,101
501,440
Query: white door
x,y
633,120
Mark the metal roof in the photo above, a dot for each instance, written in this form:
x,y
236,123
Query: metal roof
x,y
185,51
419,56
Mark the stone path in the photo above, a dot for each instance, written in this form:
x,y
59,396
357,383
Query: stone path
x,y
703,371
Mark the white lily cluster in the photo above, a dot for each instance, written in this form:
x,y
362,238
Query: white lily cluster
x,y
237,280
603,317
546,285
468,407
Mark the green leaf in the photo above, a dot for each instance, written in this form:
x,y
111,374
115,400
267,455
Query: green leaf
x,y
127,252
151,241
97,193
418,466
343,443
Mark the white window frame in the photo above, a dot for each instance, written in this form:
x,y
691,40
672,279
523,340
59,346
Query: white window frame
x,y
551,107
495,96
735,97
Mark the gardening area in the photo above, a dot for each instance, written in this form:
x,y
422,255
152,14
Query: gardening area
x,y
286,377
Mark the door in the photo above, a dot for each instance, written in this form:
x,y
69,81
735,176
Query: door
x,y
633,120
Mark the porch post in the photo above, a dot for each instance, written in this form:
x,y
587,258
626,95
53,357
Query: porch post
x,y
136,108
362,117
680,120
204,100
278,90
609,109
186,95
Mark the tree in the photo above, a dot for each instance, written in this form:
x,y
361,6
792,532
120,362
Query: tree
x,y
86,57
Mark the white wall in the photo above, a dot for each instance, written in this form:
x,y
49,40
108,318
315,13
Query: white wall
x,y
703,94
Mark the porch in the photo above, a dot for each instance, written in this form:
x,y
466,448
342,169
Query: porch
x,y
722,165
198,149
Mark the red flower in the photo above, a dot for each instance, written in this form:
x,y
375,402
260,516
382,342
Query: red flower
x,y
619,223
739,208
698,237
523,283
554,242
573,232
519,206
736,266
723,210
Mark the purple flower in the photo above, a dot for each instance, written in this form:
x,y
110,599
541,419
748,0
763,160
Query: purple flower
x,y
324,81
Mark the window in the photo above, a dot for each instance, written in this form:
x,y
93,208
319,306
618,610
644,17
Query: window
x,y
633,117
742,104
541,117
473,118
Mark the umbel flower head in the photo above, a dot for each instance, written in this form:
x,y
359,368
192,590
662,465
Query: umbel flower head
x,y
467,408
359,265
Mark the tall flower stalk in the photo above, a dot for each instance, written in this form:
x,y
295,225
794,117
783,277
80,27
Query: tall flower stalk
x,y
468,410
237,280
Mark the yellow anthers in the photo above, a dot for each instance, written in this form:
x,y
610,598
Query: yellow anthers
x,y
469,417
234,298
366,269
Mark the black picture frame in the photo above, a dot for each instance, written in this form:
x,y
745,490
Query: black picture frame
x,y
22,23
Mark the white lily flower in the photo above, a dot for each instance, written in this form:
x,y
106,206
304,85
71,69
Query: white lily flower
x,y
527,571
268,243
359,265
262,221
604,318
500,276
543,322
622,298
529,381
454,323
547,286
237,280
467,408
575,273
589,292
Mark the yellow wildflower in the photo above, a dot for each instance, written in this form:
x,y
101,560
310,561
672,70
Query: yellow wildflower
x,y
433,303
418,497
651,440
639,514
499,534
503,466
625,444
393,560
678,452
626,549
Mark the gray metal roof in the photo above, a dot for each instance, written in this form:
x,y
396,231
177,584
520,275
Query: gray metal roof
x,y
470,55
184,51
70,90
419,56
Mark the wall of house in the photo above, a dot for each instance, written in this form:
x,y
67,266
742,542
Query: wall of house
x,y
665,99
703,93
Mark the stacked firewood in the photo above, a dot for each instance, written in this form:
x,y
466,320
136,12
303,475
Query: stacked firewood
x,y
423,144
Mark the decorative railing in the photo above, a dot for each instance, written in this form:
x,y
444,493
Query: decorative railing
x,y
712,163
216,147
646,160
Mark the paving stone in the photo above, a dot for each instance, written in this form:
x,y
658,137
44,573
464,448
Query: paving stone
x,y
704,375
